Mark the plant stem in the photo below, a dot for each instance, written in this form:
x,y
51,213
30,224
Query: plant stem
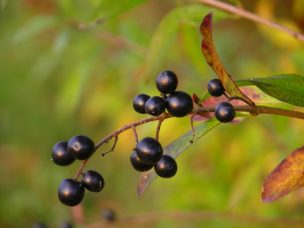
x,y
251,16
257,110
196,111
146,218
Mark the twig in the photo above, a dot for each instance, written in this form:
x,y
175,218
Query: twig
x,y
158,129
79,171
257,110
251,16
113,147
149,217
135,134
196,111
129,126
192,128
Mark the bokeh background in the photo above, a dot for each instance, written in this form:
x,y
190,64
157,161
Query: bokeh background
x,y
73,67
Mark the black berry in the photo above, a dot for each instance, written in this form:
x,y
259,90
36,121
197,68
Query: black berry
x,y
61,155
81,147
109,215
139,103
216,88
224,112
155,106
93,181
66,224
166,167
149,150
179,104
166,82
70,192
39,225
138,164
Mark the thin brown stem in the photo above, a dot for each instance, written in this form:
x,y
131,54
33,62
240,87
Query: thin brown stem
x,y
146,218
130,126
80,170
135,134
258,110
192,128
113,147
196,111
158,129
251,16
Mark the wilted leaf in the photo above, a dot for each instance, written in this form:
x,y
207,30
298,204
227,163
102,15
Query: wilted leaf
x,y
174,149
286,177
214,61
285,87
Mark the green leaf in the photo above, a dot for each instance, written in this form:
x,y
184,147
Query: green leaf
x,y
163,38
110,8
34,27
176,148
288,88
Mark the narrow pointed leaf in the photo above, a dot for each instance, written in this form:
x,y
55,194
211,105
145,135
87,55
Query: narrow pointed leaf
x,y
288,88
176,148
214,61
285,178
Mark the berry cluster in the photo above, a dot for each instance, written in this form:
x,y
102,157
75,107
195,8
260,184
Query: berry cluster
x,y
224,111
71,191
177,103
148,153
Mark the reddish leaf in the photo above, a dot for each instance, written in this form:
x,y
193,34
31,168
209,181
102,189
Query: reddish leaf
x,y
252,92
214,61
286,177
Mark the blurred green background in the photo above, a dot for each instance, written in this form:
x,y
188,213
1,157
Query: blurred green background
x,y
73,67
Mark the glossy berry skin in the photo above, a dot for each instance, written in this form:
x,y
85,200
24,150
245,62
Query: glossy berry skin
x,y
166,82
166,167
179,104
139,103
149,150
216,88
60,154
70,192
93,181
137,163
81,147
224,112
155,106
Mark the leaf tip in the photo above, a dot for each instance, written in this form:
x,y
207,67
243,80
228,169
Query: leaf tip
x,y
206,23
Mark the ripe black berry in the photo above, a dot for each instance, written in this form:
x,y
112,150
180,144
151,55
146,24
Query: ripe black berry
x,y
61,155
81,147
139,103
66,224
138,164
70,192
109,215
93,181
149,150
224,112
166,82
166,167
155,106
179,104
216,88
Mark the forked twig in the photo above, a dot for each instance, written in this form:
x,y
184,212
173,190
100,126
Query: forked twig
x,y
113,147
